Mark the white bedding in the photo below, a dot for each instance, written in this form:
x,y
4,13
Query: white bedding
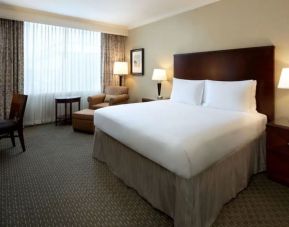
x,y
182,138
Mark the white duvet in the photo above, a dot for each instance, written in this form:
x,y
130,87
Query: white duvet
x,y
182,138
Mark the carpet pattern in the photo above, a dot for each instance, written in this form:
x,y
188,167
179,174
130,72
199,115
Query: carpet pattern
x,y
56,182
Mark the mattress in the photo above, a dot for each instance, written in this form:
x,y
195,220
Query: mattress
x,y
182,138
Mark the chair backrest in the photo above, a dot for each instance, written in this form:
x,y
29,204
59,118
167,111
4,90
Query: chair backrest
x,y
18,106
116,90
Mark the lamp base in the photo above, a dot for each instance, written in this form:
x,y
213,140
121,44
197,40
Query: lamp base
x,y
159,89
120,81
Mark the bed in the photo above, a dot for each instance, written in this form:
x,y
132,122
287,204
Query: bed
x,y
188,161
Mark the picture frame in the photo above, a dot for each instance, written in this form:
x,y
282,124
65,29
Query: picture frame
x,y
137,62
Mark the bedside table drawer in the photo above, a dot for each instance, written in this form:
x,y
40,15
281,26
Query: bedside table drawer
x,y
278,164
277,136
278,153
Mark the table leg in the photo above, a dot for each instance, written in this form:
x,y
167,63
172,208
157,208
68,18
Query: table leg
x,y
70,114
55,113
65,115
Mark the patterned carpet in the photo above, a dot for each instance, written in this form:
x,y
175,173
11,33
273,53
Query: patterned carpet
x,y
57,183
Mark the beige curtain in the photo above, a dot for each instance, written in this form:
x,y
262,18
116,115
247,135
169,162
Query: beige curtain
x,y
11,63
112,49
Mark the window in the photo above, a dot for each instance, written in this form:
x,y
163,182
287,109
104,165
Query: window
x,y
58,61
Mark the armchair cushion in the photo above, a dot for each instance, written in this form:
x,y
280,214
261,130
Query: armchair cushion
x,y
119,99
114,95
109,97
99,105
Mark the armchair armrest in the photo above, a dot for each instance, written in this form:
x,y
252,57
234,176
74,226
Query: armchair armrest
x,y
120,99
96,99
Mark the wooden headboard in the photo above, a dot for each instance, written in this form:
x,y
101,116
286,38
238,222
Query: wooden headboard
x,y
232,65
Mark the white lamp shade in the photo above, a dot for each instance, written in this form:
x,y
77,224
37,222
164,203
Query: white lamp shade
x,y
120,68
284,79
159,74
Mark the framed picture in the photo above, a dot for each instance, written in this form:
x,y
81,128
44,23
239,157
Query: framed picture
x,y
137,62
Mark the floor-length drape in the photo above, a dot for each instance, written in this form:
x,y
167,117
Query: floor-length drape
x,y
58,61
112,49
11,63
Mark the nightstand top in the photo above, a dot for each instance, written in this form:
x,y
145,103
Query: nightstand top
x,y
152,99
279,123
147,99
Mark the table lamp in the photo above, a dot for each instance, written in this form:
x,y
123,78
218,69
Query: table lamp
x,y
120,69
159,75
284,79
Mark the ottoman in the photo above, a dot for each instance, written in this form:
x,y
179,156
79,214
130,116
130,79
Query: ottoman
x,y
83,121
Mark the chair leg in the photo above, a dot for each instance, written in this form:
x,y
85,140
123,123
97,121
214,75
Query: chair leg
x,y
12,138
21,138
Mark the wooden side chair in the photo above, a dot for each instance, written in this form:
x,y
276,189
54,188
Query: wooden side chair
x,y
15,121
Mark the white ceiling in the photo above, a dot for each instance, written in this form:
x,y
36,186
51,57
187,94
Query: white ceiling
x,y
130,13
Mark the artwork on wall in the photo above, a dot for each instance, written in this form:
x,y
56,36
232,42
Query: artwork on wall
x,y
137,62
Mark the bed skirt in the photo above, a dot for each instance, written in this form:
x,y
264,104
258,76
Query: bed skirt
x,y
196,201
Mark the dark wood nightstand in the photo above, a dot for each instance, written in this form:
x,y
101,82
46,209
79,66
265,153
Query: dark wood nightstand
x,y
147,100
278,151
150,100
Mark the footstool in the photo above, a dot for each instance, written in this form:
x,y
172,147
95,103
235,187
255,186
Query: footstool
x,y
83,121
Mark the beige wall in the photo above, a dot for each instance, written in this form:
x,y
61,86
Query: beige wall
x,y
222,25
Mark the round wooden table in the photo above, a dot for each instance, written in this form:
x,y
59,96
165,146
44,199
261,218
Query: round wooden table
x,y
66,118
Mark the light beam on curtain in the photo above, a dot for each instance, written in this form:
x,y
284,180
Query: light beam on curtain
x,y
113,49
58,61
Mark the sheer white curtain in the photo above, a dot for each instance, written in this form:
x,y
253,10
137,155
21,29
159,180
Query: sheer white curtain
x,y
58,61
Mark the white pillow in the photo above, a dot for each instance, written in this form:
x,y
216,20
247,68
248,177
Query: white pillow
x,y
254,103
231,95
188,91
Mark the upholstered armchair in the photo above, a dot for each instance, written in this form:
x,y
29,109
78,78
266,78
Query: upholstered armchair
x,y
113,95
